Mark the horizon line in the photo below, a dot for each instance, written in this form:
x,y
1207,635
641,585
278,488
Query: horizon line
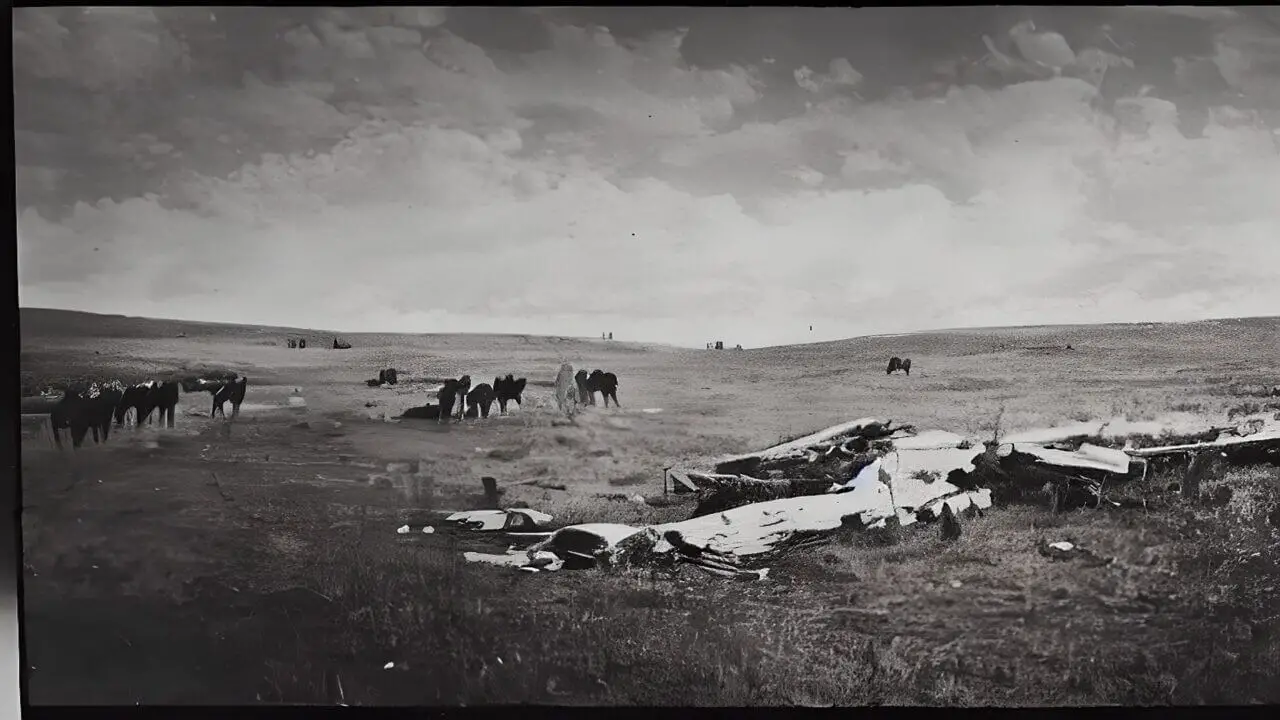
x,y
927,331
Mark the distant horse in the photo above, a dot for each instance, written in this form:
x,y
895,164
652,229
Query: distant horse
x,y
605,383
223,391
586,393
480,400
507,389
86,409
233,392
145,398
453,391
896,363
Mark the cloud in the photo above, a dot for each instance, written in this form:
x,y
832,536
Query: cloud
x,y
399,176
840,74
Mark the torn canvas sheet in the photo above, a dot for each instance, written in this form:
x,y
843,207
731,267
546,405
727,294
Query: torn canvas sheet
x,y
1090,457
1044,436
1261,438
934,440
757,528
799,445
510,519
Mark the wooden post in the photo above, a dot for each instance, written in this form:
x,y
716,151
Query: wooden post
x,y
665,471
490,490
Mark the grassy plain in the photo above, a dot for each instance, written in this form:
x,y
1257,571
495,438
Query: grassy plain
x,y
256,562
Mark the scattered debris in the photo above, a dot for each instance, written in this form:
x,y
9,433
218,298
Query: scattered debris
x,y
863,474
514,519
403,529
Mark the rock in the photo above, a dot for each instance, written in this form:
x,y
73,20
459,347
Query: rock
x,y
950,530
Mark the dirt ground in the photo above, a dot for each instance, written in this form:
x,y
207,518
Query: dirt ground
x,y
256,560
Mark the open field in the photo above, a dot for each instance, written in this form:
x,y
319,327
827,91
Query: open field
x,y
255,561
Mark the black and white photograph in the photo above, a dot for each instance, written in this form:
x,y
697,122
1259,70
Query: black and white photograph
x,y
647,356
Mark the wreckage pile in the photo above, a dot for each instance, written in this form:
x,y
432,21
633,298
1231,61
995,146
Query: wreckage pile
x,y
863,474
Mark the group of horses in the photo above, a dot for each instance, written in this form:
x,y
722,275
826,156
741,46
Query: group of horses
x,y
572,389
83,410
471,402
301,344
897,363
580,388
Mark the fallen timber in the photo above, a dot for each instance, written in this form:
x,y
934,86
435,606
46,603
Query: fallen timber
x,y
867,474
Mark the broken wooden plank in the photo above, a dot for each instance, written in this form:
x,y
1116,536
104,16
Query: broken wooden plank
x,y
1270,437
862,427
681,482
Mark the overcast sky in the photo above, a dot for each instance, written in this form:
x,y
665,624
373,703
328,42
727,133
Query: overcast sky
x,y
668,174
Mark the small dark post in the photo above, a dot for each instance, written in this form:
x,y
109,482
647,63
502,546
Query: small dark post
x,y
490,490
950,530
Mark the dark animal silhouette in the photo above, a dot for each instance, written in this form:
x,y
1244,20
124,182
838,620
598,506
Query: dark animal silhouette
x,y
86,409
222,390
507,389
302,344
605,383
388,376
148,397
293,343
480,400
373,382
586,393
453,391
341,345
232,391
424,412
897,363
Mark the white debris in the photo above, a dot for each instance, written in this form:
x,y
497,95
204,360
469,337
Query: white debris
x,y
651,411
933,440
511,519
638,499
1044,436
1064,546
800,445
428,530
507,560
756,528
403,530
1088,456
388,666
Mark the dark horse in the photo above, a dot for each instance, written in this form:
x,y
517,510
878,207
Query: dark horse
x,y
145,398
508,389
85,409
586,393
897,363
225,390
453,391
605,383
480,400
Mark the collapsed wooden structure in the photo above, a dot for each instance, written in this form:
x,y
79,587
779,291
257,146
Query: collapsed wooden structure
x,y
757,507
